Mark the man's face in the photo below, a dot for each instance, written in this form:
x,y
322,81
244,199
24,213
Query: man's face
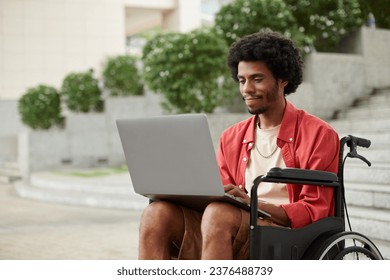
x,y
259,89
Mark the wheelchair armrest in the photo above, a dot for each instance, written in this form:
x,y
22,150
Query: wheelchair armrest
x,y
302,174
295,176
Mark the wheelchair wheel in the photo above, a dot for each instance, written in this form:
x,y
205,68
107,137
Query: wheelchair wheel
x,y
348,246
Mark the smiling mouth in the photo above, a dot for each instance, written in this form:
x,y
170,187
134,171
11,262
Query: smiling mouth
x,y
245,98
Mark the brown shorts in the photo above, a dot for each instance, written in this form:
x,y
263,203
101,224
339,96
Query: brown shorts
x,y
191,248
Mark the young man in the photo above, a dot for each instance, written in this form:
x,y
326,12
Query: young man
x,y
267,67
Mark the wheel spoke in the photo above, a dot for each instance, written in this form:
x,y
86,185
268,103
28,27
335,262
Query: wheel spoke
x,y
347,245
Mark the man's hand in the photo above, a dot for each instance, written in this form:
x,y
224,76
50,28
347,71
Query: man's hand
x,y
237,192
278,215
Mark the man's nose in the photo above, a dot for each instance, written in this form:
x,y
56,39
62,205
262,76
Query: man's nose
x,y
247,87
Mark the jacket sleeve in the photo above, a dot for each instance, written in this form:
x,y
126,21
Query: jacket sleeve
x,y
312,203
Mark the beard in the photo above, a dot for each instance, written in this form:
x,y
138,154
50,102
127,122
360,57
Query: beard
x,y
257,111
269,97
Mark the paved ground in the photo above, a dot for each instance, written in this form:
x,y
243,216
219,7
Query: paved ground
x,y
38,230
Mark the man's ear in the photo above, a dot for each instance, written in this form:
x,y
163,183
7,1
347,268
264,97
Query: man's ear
x,y
283,83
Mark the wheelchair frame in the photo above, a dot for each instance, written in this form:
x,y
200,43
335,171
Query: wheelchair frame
x,y
323,239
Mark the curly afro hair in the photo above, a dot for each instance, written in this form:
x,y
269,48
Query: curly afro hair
x,y
279,53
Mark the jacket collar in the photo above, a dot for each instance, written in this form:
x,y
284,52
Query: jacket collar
x,y
287,128
249,137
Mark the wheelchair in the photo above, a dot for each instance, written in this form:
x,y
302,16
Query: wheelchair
x,y
325,239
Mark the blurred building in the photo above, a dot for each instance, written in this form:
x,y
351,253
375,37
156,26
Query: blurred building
x,y
41,41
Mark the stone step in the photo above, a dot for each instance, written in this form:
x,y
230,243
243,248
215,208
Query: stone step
x,y
353,126
9,171
90,199
119,184
8,175
11,165
376,106
5,179
367,189
380,98
385,90
107,192
374,223
376,155
361,173
368,195
365,111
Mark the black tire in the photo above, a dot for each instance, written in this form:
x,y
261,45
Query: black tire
x,y
355,252
347,245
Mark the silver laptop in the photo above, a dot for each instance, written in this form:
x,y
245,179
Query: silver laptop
x,y
172,158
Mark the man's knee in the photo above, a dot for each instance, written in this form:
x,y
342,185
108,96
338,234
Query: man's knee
x,y
159,211
162,217
219,216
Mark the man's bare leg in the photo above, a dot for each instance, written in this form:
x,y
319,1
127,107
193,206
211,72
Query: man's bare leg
x,y
220,224
161,224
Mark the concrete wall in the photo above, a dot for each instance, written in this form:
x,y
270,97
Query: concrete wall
x,y
39,150
10,126
88,140
373,46
376,53
331,82
10,123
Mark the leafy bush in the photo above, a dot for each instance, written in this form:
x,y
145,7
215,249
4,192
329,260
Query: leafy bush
x,y
242,17
121,77
40,107
326,21
187,69
311,24
81,92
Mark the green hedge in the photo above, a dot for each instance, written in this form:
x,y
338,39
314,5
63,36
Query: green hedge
x,y
311,24
40,107
121,76
187,69
81,92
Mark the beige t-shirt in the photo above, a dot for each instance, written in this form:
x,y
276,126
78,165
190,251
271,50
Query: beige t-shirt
x,y
264,155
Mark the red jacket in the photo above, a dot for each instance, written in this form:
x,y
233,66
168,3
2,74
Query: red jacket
x,y
306,142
